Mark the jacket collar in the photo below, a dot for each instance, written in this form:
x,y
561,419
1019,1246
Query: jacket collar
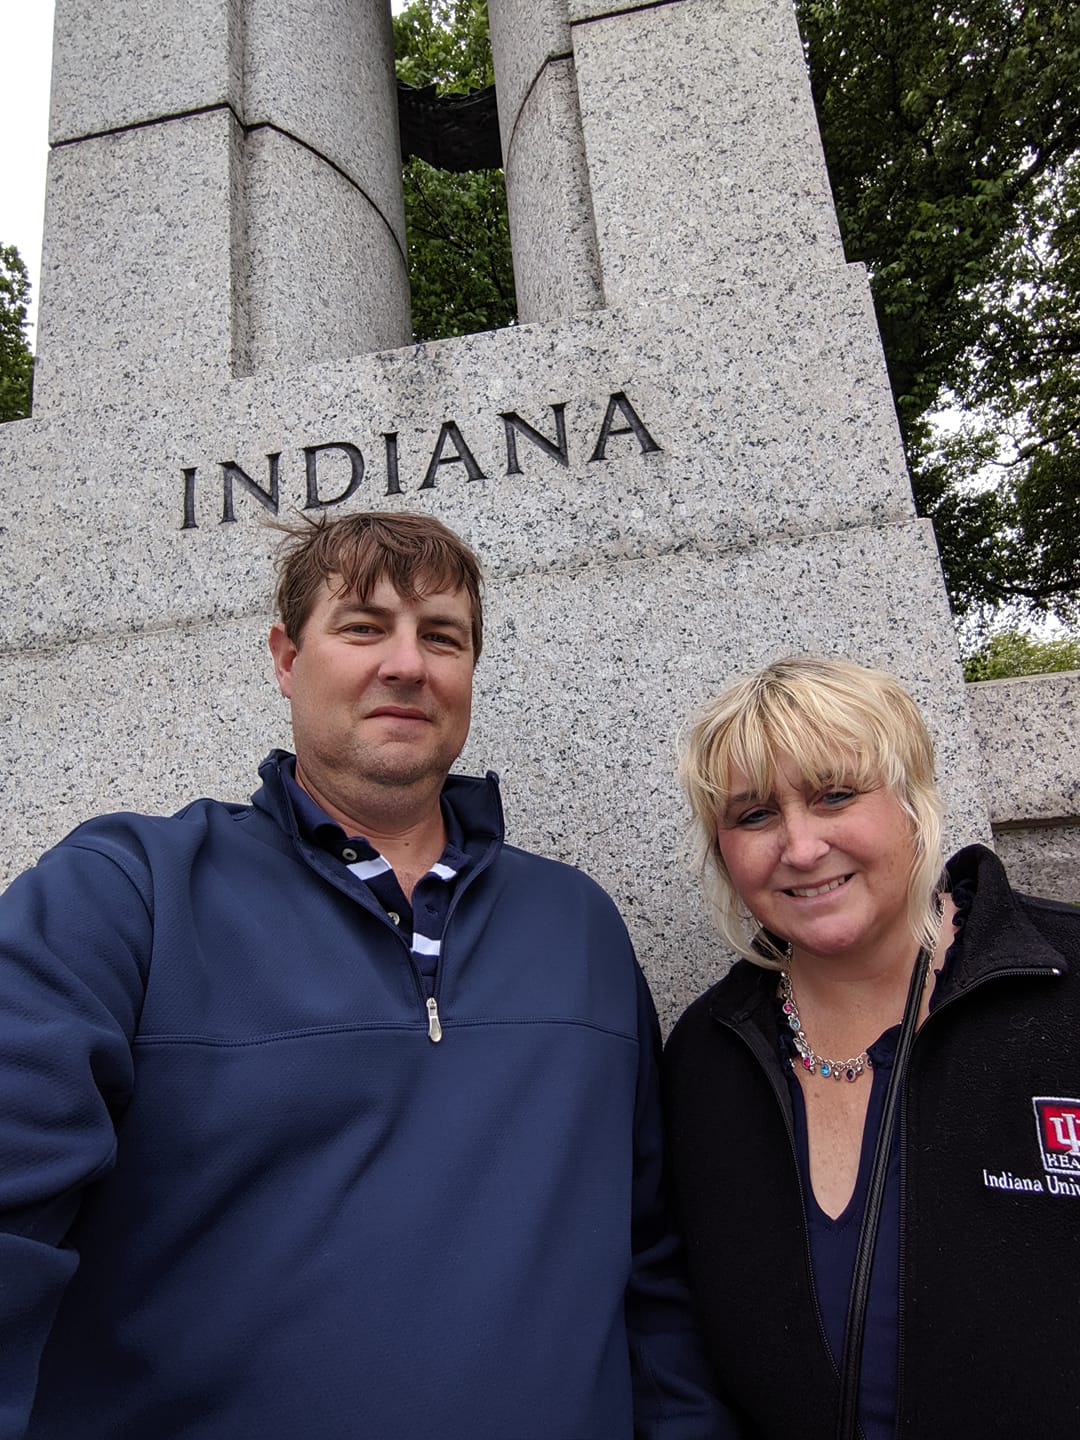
x,y
476,802
997,934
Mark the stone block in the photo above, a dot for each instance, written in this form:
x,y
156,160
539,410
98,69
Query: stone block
x,y
126,62
1042,860
769,407
134,722
327,272
556,262
1026,729
702,145
142,244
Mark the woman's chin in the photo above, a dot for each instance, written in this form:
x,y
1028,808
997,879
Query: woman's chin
x,y
825,942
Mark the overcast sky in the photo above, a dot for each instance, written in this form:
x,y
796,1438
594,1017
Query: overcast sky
x,y
24,125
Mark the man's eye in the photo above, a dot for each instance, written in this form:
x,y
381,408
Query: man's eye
x,y
437,638
837,797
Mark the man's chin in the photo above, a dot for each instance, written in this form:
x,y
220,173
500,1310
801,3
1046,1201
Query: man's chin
x,y
399,768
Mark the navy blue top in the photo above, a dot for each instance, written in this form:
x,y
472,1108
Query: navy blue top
x,y
834,1242
431,896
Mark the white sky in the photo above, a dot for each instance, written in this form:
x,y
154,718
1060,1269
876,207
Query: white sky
x,y
24,128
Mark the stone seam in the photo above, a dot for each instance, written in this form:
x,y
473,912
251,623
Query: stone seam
x,y
549,61
247,130
604,561
625,10
1042,822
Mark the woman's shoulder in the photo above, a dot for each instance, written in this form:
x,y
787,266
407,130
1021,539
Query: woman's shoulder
x,y
979,872
740,990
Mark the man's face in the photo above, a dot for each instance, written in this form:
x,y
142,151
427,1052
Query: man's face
x,y
381,691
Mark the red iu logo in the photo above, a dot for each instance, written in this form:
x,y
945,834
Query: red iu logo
x,y
1058,1123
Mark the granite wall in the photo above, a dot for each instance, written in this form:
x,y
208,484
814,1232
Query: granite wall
x,y
684,463
1027,733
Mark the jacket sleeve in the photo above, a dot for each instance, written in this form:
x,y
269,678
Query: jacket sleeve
x,y
74,933
673,1394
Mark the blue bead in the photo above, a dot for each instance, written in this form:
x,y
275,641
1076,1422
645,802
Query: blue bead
x,y
794,1022
826,1069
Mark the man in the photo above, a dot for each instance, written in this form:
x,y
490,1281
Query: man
x,y
333,1115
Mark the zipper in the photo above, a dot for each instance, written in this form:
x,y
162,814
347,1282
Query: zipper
x,y
431,1002
434,1028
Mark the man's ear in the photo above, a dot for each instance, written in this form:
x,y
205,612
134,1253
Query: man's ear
x,y
284,652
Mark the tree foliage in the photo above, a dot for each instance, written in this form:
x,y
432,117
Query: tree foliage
x,y
952,136
16,361
460,268
1011,652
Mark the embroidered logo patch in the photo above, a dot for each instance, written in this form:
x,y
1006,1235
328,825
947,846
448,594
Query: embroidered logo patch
x,y
1058,1124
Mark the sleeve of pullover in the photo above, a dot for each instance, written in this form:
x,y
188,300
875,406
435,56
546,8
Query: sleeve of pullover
x,y
74,937
673,1398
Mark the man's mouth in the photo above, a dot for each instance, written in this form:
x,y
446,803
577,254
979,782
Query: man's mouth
x,y
807,892
396,712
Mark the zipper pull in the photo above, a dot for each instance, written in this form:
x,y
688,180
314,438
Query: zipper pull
x,y
434,1029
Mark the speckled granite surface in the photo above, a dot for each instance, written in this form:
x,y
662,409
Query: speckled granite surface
x,y
688,465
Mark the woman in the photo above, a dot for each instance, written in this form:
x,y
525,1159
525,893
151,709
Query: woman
x,y
882,1221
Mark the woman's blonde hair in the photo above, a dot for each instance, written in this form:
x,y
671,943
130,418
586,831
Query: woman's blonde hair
x,y
837,721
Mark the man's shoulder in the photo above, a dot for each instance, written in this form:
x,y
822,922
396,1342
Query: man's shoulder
x,y
195,814
548,871
133,837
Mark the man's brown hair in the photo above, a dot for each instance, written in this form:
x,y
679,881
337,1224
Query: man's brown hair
x,y
416,554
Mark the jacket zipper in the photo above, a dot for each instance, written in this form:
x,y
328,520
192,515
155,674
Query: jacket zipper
x,y
434,1028
431,1002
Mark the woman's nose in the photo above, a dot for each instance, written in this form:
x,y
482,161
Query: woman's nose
x,y
805,842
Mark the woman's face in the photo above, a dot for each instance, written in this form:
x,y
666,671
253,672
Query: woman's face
x,y
825,869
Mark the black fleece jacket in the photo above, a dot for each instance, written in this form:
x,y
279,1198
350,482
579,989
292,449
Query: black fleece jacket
x,y
990,1189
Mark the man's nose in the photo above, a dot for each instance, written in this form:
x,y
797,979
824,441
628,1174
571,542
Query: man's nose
x,y
403,659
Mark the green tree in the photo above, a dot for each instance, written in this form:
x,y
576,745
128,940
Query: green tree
x,y
16,361
1011,652
460,269
952,136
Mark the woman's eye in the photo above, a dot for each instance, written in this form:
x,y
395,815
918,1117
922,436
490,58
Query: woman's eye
x,y
837,797
753,817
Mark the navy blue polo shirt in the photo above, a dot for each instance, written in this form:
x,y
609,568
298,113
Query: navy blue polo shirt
x,y
423,920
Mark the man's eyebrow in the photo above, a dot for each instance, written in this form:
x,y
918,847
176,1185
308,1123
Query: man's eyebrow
x,y
447,622
350,605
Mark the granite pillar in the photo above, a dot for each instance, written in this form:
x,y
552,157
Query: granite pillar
x,y
224,194
556,262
